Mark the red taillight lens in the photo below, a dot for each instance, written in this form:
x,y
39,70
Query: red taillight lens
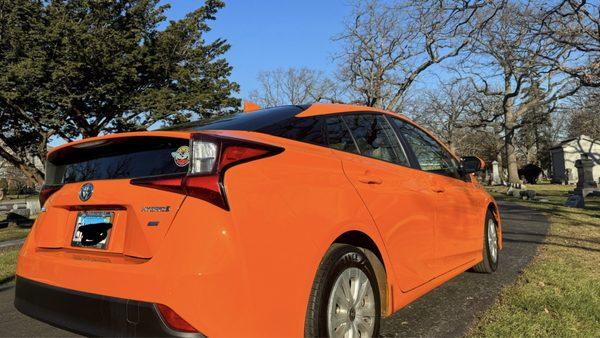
x,y
173,320
211,156
234,154
46,192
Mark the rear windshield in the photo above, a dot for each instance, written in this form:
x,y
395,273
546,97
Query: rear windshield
x,y
119,158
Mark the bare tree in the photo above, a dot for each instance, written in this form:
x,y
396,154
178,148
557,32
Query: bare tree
x,y
452,110
385,47
446,110
508,61
584,114
293,86
573,24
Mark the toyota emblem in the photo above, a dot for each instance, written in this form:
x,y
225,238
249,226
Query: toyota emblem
x,y
86,192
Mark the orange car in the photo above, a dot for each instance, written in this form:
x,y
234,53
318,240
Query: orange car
x,y
310,220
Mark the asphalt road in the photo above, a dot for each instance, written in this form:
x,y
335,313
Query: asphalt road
x,y
448,311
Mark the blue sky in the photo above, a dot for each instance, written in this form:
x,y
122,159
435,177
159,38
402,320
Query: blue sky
x,y
269,34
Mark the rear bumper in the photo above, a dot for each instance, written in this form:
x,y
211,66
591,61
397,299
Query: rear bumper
x,y
91,314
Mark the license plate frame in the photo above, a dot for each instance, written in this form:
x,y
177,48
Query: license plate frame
x,y
97,227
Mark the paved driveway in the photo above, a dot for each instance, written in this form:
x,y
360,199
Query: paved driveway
x,y
447,311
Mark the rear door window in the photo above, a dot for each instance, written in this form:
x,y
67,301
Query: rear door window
x,y
375,138
430,154
338,135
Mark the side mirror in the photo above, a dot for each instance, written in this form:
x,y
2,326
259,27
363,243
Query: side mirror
x,y
472,164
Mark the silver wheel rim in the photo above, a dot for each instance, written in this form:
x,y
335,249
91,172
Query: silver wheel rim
x,y
351,307
492,240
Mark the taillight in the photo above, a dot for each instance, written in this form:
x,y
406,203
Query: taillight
x,y
47,191
211,156
173,320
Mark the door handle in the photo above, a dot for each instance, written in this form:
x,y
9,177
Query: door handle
x,y
370,180
438,190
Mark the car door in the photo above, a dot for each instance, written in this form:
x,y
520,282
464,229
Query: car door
x,y
398,197
457,229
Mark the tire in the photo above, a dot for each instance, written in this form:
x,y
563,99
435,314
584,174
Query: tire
x,y
491,252
343,263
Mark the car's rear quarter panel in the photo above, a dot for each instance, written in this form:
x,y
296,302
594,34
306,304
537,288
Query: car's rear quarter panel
x,y
285,216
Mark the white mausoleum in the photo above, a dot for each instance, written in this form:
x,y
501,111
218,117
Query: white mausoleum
x,y
567,152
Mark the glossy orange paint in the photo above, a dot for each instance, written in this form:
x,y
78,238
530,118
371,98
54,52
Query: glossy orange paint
x,y
249,271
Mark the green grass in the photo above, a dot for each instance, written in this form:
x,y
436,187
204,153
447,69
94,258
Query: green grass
x,y
8,264
559,293
13,232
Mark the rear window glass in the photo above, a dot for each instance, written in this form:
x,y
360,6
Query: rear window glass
x,y
130,158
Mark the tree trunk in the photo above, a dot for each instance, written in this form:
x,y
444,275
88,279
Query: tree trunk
x,y
22,163
511,159
34,174
509,133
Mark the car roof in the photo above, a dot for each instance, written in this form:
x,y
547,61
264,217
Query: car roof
x,y
255,119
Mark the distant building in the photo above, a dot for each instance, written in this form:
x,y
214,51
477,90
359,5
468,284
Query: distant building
x,y
567,152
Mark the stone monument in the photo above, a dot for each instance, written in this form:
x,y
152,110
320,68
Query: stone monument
x,y
585,183
496,180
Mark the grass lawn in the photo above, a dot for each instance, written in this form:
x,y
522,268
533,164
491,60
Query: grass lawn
x,y
559,293
8,264
13,232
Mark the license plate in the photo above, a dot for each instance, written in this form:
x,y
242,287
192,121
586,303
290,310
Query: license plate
x,y
92,229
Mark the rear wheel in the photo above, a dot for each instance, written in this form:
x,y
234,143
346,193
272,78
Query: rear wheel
x,y
489,263
344,301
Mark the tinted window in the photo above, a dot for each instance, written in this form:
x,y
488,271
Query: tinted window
x,y
375,138
305,129
430,154
128,158
338,136
252,121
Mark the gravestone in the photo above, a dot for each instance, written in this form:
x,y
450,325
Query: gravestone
x,y
496,180
585,182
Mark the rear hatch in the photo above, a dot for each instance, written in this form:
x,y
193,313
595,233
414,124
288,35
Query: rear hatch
x,y
92,206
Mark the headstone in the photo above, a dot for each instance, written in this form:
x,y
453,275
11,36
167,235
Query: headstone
x,y
34,206
496,180
585,182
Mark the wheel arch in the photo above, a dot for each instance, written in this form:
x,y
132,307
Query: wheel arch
x,y
364,242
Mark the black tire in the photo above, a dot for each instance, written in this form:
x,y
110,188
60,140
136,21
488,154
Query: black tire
x,y
488,265
339,258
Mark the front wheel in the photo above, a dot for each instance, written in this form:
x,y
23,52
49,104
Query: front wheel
x,y
489,263
345,300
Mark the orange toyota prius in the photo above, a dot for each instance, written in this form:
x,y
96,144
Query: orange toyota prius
x,y
313,220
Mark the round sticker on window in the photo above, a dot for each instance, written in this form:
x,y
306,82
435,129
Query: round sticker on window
x,y
181,156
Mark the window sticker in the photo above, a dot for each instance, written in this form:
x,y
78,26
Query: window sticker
x,y
181,156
